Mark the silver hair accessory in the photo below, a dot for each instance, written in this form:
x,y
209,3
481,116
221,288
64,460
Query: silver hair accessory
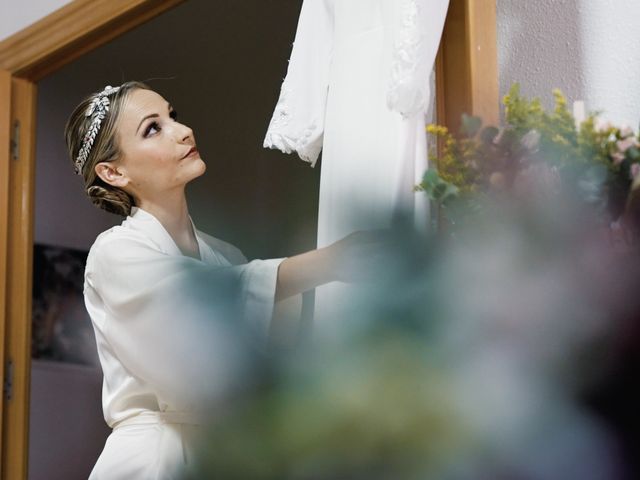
x,y
98,108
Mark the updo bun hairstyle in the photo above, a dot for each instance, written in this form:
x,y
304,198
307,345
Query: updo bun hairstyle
x,y
105,148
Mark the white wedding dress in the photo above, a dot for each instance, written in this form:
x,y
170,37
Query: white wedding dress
x,y
358,89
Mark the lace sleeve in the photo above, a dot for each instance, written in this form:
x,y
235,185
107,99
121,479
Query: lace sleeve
x,y
297,124
415,53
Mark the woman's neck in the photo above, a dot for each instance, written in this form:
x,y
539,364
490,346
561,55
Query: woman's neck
x,y
172,212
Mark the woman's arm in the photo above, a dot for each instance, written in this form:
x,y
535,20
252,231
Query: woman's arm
x,y
304,272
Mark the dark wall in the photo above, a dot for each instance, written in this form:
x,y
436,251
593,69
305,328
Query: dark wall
x,y
221,64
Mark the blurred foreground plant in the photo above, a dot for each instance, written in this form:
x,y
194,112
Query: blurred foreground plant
x,y
463,360
478,358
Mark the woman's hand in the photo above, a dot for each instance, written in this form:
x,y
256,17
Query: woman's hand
x,y
359,256
354,258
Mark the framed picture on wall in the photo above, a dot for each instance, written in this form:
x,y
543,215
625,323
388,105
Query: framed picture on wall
x,y
61,328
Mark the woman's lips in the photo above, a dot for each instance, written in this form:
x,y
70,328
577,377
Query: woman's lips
x,y
192,152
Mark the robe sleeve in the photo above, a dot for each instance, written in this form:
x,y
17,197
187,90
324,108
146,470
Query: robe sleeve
x,y
297,124
286,312
414,56
173,320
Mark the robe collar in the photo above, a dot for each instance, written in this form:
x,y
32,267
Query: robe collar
x,y
147,223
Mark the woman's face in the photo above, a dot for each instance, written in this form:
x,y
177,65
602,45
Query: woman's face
x,y
154,147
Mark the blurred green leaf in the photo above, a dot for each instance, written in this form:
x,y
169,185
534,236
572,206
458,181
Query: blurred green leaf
x,y
437,189
633,153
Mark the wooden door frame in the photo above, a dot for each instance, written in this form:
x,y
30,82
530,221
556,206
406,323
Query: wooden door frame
x,y
25,58
5,122
466,82
467,64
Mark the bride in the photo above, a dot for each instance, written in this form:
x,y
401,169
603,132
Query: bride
x,y
152,282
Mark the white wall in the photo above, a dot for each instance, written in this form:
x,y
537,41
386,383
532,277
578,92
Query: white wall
x,y
611,43
18,14
590,49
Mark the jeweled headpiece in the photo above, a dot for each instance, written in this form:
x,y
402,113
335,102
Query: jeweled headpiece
x,y
98,108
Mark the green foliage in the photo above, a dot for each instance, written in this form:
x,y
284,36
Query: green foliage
x,y
438,189
558,136
594,158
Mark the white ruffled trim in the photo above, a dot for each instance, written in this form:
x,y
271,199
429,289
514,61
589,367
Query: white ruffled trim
x,y
307,150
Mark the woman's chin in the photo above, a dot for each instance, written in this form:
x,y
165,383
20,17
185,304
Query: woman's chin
x,y
199,167
194,169
203,167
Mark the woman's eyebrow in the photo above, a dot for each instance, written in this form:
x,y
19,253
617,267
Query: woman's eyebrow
x,y
152,116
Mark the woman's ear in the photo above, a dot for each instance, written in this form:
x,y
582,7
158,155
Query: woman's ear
x,y
110,173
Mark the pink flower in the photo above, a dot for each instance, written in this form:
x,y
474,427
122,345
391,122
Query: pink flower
x,y
626,131
635,170
626,144
617,158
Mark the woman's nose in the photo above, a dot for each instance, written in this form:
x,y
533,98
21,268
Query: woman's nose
x,y
184,133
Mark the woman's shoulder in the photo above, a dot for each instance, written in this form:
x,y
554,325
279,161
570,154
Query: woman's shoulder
x,y
232,253
118,234
118,242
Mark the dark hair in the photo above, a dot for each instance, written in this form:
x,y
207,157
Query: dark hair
x,y
105,149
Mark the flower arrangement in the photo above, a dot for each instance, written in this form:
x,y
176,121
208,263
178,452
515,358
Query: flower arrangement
x,y
536,153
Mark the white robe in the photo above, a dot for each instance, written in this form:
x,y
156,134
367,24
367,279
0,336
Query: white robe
x,y
162,350
357,88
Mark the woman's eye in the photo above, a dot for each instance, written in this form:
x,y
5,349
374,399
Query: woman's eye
x,y
152,125
156,126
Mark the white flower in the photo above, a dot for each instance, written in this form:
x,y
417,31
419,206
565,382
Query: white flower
x,y
531,140
601,125
626,131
